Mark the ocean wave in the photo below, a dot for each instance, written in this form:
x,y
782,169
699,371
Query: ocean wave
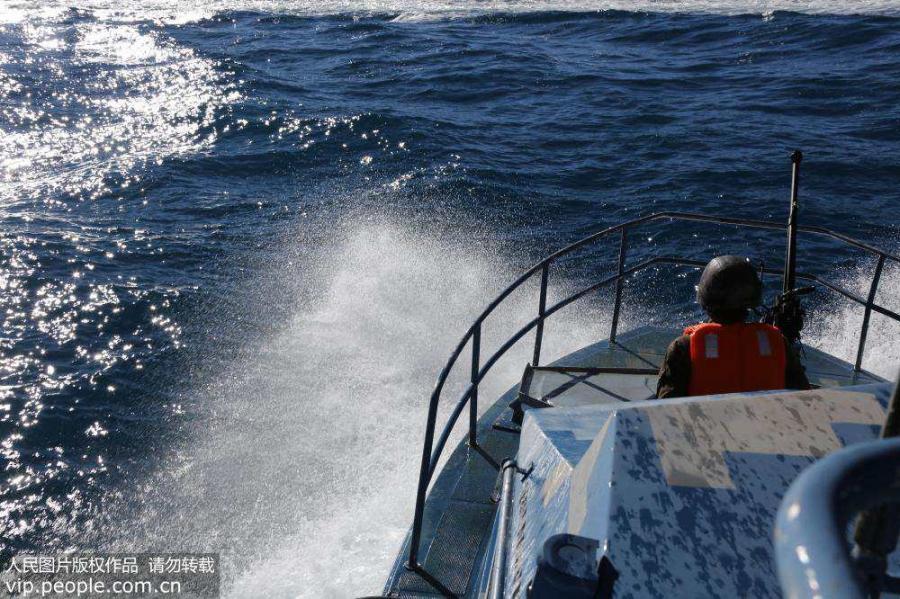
x,y
227,227
174,12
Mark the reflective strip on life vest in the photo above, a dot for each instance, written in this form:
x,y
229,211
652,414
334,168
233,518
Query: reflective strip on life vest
x,y
712,345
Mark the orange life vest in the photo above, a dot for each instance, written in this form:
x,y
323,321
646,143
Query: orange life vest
x,y
735,358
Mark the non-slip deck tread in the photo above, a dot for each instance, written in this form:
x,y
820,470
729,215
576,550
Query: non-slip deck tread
x,y
451,555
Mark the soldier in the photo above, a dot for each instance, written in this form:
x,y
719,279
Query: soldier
x,y
729,354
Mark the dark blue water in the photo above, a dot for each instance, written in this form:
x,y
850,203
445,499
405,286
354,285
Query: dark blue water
x,y
236,249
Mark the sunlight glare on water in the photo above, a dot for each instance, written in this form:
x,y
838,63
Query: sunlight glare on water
x,y
133,99
130,99
240,239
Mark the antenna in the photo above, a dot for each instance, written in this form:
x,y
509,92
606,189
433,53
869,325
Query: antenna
x,y
790,261
787,313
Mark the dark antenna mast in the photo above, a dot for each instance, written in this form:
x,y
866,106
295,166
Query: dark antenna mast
x,y
787,313
790,261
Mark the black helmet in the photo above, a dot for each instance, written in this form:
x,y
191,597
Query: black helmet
x,y
729,284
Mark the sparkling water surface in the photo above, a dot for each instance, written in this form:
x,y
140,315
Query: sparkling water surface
x,y
240,239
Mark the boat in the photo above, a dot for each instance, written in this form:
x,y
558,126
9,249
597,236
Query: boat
x,y
577,482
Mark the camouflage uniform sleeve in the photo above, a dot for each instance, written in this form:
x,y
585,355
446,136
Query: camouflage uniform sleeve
x,y
794,373
675,372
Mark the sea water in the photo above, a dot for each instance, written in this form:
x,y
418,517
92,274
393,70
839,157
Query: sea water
x,y
240,239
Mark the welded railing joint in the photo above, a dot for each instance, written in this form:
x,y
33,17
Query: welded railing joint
x,y
438,447
617,306
870,301
431,580
542,308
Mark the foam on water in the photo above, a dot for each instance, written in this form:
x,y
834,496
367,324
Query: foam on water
x,y
176,12
834,325
302,464
302,458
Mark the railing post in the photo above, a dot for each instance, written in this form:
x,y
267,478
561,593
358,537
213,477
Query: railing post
x,y
473,401
424,479
623,247
542,309
864,332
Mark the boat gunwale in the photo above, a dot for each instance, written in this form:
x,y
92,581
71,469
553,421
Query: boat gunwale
x,y
431,453
453,470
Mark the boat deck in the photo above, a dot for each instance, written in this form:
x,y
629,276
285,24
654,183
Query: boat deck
x,y
460,509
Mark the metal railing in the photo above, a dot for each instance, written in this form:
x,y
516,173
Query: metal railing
x,y
431,451
498,567
811,550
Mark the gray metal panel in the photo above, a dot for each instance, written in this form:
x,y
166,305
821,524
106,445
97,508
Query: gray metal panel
x,y
477,481
682,493
498,444
572,389
640,348
451,556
